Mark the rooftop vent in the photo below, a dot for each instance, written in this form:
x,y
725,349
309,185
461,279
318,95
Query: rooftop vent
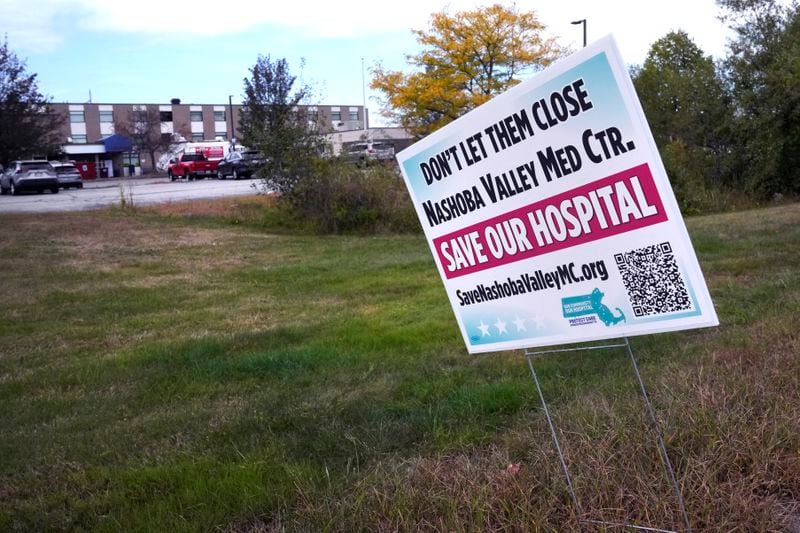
x,y
175,101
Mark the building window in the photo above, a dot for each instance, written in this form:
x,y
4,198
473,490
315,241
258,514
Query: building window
x,y
106,116
196,116
197,136
79,139
221,135
336,115
131,158
165,116
354,114
219,116
313,116
77,117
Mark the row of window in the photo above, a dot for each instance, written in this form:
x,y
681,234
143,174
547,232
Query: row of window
x,y
197,116
78,138
336,116
200,137
83,139
79,117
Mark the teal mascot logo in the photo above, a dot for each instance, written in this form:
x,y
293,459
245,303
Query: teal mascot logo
x,y
591,304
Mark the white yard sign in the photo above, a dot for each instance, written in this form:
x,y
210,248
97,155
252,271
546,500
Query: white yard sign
x,y
550,216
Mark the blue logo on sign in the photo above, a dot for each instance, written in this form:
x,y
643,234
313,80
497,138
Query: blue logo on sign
x,y
591,304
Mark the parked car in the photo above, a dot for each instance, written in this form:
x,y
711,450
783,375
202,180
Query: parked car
x,y
28,176
363,152
67,174
239,165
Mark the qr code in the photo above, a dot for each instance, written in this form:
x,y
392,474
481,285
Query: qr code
x,y
653,280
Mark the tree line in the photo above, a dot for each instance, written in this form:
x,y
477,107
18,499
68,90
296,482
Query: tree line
x,y
728,131
730,127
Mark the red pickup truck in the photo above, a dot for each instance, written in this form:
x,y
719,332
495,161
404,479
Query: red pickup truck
x,y
191,166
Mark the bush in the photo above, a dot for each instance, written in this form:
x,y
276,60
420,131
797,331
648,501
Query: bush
x,y
338,197
688,168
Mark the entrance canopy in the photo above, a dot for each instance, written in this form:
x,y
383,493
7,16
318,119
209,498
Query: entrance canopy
x,y
117,143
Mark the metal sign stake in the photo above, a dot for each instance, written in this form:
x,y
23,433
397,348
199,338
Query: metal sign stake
x,y
657,430
555,441
653,423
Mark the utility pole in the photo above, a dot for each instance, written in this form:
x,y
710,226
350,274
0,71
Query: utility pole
x,y
364,100
230,112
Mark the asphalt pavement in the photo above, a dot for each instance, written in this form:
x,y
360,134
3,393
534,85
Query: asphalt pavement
x,y
138,191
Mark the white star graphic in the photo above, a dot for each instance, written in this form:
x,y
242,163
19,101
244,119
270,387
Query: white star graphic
x,y
539,321
501,326
484,329
520,323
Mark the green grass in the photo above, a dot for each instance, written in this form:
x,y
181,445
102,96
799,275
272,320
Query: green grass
x,y
174,372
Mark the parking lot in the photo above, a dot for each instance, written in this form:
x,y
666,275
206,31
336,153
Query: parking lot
x,y
137,191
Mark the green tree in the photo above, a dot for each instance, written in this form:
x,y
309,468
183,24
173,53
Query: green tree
x,y
143,126
763,69
274,121
466,59
685,103
28,124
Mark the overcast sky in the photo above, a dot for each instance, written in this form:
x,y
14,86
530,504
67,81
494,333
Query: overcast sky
x,y
152,51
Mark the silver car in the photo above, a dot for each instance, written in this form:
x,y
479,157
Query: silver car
x,y
68,175
28,176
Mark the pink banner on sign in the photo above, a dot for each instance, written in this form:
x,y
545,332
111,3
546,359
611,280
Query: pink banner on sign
x,y
619,203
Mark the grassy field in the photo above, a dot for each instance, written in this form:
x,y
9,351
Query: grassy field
x,y
181,369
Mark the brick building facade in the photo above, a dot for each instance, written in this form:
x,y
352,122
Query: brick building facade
x,y
87,125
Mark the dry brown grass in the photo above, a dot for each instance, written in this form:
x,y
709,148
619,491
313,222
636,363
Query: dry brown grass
x,y
731,421
222,207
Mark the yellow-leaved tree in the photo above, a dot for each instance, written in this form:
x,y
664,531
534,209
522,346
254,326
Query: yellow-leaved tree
x,y
466,59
